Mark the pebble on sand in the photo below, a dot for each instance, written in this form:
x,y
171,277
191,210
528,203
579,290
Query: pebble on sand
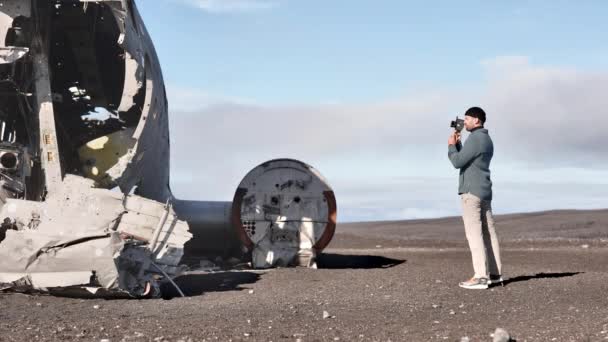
x,y
501,335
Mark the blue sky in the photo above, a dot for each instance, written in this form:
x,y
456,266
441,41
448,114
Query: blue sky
x,y
314,51
364,91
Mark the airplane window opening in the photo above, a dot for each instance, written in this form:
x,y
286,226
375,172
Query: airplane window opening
x,y
8,160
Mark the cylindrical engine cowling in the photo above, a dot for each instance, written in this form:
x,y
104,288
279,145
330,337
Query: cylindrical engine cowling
x,y
211,228
284,212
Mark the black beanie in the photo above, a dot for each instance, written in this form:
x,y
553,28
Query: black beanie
x,y
476,112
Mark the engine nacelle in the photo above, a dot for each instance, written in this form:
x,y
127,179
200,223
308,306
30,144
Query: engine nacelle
x,y
283,213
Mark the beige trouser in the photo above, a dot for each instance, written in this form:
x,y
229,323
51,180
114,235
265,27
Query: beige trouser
x,y
481,235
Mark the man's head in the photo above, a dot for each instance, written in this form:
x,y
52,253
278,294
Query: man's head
x,y
474,117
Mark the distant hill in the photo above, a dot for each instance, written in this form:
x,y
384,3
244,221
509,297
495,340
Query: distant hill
x,y
555,225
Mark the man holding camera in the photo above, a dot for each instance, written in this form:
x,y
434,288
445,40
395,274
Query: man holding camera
x,y
475,189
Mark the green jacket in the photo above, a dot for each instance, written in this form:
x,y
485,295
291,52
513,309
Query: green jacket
x,y
473,160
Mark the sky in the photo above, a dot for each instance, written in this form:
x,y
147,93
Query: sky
x,y
364,91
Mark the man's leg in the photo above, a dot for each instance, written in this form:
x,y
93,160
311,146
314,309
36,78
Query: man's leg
x,y
491,239
471,216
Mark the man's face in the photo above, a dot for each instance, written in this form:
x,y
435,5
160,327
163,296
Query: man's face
x,y
471,122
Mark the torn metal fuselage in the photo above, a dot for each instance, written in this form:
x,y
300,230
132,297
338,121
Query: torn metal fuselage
x,y
83,114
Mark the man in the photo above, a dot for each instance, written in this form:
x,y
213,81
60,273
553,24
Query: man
x,y
475,189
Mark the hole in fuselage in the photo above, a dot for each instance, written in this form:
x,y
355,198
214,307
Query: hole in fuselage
x,y
88,79
8,160
20,32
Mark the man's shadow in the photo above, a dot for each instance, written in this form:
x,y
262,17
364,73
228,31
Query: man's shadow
x,y
341,261
538,276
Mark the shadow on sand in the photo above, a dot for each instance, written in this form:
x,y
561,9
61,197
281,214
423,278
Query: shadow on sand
x,y
539,276
197,284
340,261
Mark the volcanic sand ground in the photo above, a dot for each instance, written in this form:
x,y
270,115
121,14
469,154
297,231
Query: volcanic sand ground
x,y
377,281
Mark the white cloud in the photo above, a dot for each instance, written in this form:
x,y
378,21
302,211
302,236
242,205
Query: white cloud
x,y
223,6
502,66
549,118
186,99
319,129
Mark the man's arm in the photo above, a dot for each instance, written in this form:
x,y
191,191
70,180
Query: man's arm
x,y
461,155
458,146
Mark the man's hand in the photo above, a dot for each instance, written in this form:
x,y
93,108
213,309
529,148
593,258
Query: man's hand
x,y
454,138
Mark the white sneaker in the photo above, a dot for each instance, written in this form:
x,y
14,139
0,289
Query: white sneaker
x,y
475,283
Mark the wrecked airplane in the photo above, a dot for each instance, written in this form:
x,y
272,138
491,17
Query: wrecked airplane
x,y
85,200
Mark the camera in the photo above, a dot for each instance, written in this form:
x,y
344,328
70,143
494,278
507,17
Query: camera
x,y
457,124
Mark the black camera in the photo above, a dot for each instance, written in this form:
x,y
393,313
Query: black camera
x,y
457,124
